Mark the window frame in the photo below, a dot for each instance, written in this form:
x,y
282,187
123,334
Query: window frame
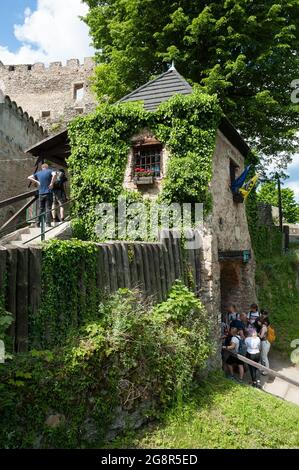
x,y
77,87
149,163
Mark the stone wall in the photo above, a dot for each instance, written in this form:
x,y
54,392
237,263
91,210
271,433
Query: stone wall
x,y
42,90
17,131
227,231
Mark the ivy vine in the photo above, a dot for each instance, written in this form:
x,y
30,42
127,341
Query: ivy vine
x,y
100,143
69,292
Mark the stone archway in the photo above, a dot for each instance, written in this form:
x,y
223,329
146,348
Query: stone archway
x,y
230,283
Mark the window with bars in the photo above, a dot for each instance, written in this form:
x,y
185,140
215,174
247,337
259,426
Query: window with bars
x,y
148,158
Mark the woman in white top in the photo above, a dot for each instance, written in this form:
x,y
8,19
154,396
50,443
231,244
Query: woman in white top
x,y
253,345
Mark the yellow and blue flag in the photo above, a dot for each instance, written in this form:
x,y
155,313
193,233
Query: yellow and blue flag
x,y
247,187
238,183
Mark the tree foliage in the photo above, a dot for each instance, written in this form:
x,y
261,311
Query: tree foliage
x,y
268,193
243,50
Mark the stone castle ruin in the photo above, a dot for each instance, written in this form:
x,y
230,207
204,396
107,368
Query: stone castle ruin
x,y
51,95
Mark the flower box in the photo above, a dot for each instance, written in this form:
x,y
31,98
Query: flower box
x,y
144,180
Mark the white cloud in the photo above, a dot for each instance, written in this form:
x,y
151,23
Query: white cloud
x,y
294,185
294,164
53,32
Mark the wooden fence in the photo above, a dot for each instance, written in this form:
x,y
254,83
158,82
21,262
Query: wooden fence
x,y
152,267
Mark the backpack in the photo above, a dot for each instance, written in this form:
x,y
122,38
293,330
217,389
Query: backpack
x,y
61,178
242,346
271,335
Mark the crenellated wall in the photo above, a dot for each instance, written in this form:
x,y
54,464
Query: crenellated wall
x,y
17,127
42,90
18,131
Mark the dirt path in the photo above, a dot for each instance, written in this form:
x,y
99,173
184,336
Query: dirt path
x,y
277,386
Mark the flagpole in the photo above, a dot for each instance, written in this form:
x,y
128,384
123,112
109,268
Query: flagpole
x,y
279,202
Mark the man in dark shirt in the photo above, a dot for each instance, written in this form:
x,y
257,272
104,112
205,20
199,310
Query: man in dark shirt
x,y
45,179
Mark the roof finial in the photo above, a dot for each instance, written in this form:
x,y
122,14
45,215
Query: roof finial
x,y
172,67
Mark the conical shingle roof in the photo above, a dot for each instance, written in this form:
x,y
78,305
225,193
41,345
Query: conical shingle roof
x,y
160,89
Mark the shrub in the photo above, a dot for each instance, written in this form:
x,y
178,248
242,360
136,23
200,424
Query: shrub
x,y
127,366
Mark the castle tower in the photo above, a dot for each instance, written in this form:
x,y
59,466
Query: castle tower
x,y
52,95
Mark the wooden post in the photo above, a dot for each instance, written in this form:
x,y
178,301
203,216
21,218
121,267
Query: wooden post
x,y
125,263
271,372
135,281
112,268
106,272
2,272
11,289
34,283
169,249
147,274
161,255
279,203
22,301
156,264
140,267
176,255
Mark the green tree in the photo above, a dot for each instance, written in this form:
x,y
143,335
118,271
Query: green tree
x,y
290,209
244,50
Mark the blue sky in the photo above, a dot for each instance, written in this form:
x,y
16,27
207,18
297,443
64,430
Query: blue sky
x,y
12,12
43,31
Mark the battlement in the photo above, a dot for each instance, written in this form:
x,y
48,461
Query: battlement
x,y
19,127
18,112
52,94
71,66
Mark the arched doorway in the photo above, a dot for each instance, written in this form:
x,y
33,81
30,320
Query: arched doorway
x,y
230,284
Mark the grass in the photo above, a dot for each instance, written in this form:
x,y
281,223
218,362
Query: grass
x,y
221,414
278,292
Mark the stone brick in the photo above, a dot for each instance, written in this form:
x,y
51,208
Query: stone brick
x,y
39,90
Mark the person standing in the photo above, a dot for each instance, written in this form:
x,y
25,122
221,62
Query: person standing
x,y
59,194
232,313
253,314
45,179
265,344
253,345
233,346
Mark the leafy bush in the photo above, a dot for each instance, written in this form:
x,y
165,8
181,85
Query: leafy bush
x,y
128,366
6,318
277,290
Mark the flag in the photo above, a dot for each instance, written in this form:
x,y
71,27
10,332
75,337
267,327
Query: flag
x,y
238,183
246,188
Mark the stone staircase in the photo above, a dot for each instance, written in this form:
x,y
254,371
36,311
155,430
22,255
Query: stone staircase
x,y
31,235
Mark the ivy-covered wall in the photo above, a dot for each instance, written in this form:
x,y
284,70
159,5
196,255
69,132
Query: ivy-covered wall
x,y
266,240
69,291
100,144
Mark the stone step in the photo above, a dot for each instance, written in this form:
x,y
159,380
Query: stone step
x,y
62,231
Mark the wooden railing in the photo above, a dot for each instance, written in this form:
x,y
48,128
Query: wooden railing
x,y
262,368
33,195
